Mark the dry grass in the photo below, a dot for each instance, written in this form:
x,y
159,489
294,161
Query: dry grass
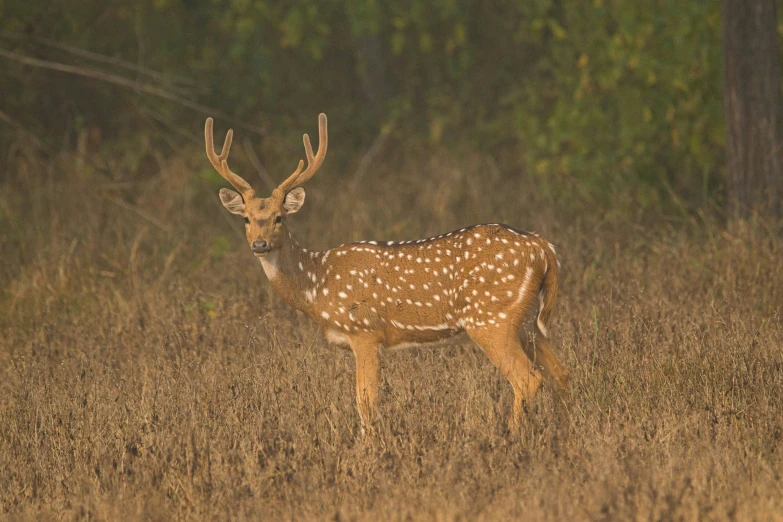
x,y
151,374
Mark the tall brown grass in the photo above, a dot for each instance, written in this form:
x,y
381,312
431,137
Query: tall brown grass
x,y
149,373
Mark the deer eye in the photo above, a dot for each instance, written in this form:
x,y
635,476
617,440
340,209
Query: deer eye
x,y
247,221
279,219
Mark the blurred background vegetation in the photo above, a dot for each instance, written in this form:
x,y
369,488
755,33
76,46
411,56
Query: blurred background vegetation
x,y
602,102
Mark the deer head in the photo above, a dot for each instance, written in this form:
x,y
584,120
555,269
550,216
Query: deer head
x,y
265,217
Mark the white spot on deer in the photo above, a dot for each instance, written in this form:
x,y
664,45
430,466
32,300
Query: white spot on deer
x,y
337,276
349,287
325,315
342,295
325,291
336,337
436,297
300,266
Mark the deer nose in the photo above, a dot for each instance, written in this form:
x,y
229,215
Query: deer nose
x,y
259,246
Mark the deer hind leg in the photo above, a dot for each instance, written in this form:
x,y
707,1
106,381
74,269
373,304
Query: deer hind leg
x,y
540,352
368,376
504,349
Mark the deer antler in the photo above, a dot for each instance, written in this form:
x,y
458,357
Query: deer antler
x,y
220,163
313,161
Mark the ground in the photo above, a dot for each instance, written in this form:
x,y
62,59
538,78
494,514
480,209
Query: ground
x,y
148,371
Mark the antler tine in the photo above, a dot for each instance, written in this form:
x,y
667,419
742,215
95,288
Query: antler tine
x,y
309,149
219,161
313,161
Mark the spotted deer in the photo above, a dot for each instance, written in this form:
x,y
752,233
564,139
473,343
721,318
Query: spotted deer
x,y
481,280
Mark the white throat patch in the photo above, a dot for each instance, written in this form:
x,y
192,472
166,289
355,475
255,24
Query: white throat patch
x,y
269,262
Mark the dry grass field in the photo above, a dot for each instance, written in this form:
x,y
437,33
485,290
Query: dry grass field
x,y
149,373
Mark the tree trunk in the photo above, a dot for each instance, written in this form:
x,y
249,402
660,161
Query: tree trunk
x,y
752,106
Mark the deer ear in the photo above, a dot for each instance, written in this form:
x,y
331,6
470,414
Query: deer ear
x,y
232,201
294,200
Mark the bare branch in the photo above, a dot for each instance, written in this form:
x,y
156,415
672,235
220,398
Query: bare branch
x,y
97,74
170,79
262,172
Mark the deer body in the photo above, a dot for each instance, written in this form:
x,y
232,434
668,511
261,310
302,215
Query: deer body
x,y
481,280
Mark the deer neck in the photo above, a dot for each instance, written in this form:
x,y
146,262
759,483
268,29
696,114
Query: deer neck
x,y
293,271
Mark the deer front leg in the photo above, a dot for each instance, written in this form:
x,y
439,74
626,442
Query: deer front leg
x,y
368,375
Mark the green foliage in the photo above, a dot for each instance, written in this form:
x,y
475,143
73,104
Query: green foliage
x,y
627,97
610,96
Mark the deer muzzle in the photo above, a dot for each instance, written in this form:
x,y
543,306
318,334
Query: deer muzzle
x,y
259,247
